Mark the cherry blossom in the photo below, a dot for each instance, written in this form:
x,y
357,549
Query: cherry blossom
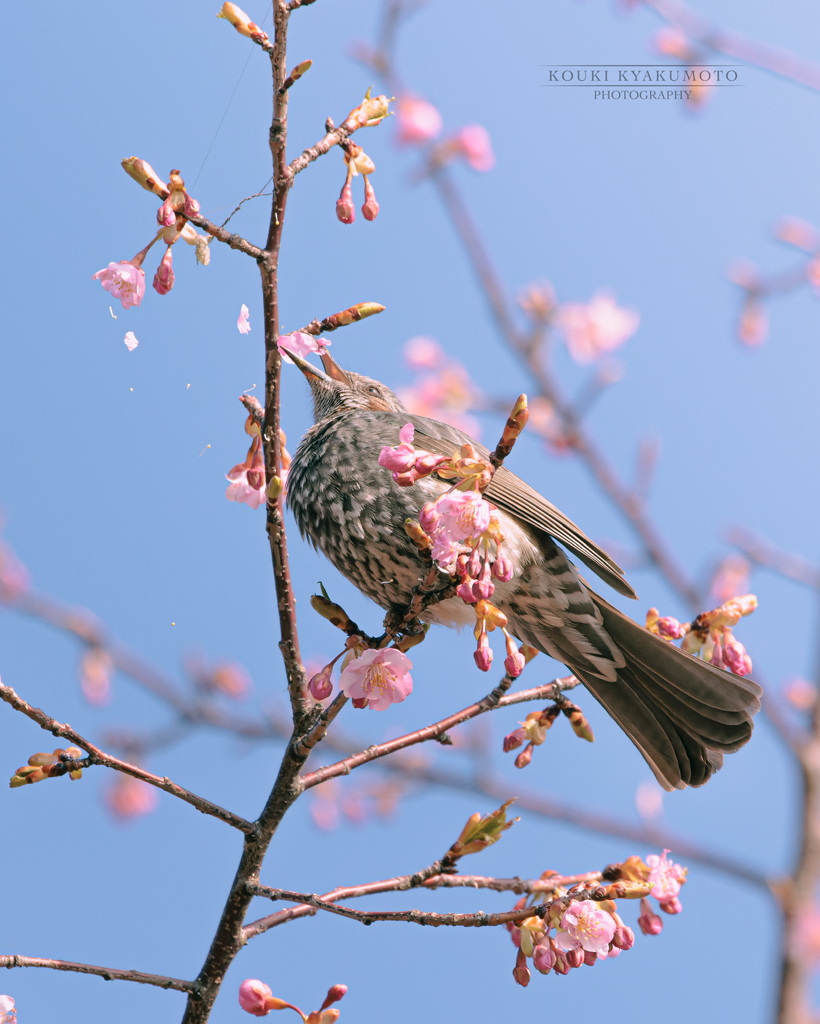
x,y
300,343
473,144
585,926
255,997
380,678
131,341
124,280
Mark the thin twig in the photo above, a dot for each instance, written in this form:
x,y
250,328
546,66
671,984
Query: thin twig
x,y
108,973
99,757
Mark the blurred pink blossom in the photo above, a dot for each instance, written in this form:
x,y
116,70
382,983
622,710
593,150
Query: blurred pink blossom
x,y
124,280
422,353
417,121
379,677
8,1014
473,144
594,329
130,798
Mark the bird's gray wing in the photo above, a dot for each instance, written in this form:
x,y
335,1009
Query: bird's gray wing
x,y
513,495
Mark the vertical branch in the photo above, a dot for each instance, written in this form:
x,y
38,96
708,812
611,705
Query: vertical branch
x,y
798,900
228,938
271,435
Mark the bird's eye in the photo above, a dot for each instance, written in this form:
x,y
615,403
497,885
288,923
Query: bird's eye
x,y
373,390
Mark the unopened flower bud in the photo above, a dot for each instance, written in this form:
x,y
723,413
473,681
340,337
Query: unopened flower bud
x,y
370,209
513,740
590,958
543,957
624,937
521,972
334,994
483,654
574,957
144,174
321,685
242,23
164,277
344,205
649,922
525,756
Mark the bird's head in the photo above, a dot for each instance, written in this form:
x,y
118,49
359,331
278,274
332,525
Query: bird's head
x,y
336,389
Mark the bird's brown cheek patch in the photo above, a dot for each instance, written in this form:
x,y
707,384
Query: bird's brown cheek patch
x,y
379,404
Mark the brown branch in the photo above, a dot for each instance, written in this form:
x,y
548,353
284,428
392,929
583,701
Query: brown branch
x,y
480,919
108,973
230,239
494,699
228,938
99,757
761,552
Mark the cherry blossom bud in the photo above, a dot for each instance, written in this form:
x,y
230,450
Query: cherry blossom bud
x,y
543,957
525,756
574,957
370,209
369,112
590,958
671,906
344,204
649,922
334,994
503,569
561,966
624,937
321,685
513,740
483,654
514,662
164,277
465,591
521,972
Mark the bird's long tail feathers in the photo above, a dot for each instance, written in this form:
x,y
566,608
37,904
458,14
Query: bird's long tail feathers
x,y
680,712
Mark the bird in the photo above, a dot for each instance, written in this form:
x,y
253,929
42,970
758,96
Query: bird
x,y
682,713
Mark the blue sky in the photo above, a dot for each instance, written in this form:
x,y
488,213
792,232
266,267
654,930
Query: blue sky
x,y
114,469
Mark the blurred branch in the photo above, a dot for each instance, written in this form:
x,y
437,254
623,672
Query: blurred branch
x,y
780,62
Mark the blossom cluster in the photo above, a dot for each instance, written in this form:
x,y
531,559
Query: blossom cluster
x,y
580,932
125,280
533,730
256,998
710,636
247,482
45,766
462,530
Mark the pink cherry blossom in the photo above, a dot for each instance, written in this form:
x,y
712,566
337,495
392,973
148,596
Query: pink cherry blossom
x,y
585,926
131,341
666,877
124,281
8,1014
254,996
300,343
247,480
243,323
596,328
417,121
463,514
473,144
423,353
379,677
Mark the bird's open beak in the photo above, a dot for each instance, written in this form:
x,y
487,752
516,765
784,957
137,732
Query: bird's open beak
x,y
334,371
308,369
